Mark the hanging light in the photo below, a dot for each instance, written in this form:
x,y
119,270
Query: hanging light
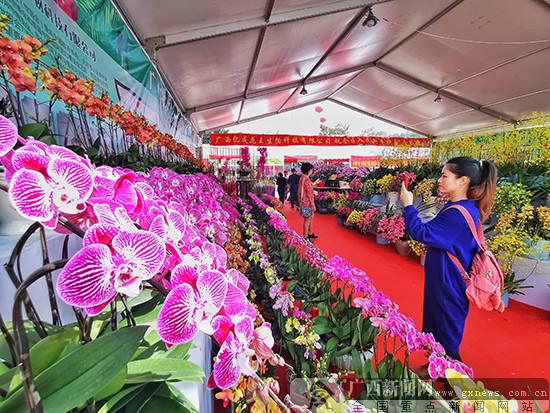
x,y
303,92
371,19
438,98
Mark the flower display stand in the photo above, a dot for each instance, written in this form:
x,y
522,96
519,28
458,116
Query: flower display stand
x,y
537,274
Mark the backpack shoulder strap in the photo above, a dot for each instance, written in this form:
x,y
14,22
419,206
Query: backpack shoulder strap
x,y
468,217
456,262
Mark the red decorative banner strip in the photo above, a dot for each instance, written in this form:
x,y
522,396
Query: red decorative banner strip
x,y
244,139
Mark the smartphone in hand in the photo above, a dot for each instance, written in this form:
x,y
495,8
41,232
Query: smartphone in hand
x,y
406,182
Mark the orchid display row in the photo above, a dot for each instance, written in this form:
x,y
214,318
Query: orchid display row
x,y
161,231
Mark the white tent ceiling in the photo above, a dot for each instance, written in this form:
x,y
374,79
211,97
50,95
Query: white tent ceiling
x,y
229,62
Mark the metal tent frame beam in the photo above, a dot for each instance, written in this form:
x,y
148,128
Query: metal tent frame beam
x,y
158,42
345,33
265,115
261,36
270,19
404,40
372,115
443,93
275,89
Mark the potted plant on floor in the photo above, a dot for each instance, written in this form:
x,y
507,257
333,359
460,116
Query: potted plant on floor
x,y
514,243
342,214
390,228
333,198
369,221
419,249
383,186
353,219
402,245
323,202
369,188
512,285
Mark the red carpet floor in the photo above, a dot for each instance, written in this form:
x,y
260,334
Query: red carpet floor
x,y
515,343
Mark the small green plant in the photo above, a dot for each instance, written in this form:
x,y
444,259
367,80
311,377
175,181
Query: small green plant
x,y
511,196
513,285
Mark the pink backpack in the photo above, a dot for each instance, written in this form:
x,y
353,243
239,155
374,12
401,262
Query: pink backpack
x,y
485,282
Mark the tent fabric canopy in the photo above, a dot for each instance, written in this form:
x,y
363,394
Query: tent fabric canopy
x,y
435,67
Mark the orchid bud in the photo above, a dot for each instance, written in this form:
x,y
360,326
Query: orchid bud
x,y
262,393
274,386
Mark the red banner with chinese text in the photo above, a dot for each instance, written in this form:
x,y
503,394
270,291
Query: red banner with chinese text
x,y
244,139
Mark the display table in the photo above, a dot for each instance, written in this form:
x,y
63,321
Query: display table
x,y
31,259
330,189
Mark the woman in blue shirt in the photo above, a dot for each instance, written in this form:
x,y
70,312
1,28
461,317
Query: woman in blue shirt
x,y
472,184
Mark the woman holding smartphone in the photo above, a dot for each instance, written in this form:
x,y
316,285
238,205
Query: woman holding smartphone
x,y
471,184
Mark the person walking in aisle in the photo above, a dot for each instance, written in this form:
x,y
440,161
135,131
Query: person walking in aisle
x,y
293,181
306,199
471,184
281,187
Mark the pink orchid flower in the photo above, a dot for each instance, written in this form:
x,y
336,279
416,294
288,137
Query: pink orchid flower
x,y
207,257
48,182
117,216
187,310
234,356
8,135
111,262
263,342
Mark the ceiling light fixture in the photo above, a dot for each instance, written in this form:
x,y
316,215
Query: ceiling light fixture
x,y
438,98
371,19
303,92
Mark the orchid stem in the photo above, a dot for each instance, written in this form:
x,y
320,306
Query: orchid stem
x,y
31,393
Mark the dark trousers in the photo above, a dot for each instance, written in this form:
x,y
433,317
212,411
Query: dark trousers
x,y
281,194
294,198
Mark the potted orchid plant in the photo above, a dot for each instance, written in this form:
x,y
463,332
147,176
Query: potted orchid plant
x,y
151,253
244,163
342,214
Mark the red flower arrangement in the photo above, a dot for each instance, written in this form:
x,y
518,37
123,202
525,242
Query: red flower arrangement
x,y
369,220
343,212
407,177
391,228
353,196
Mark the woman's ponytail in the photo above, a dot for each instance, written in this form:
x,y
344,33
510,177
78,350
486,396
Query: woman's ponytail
x,y
484,192
483,181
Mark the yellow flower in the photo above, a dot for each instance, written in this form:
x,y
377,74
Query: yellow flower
x,y
469,393
543,214
417,247
354,217
384,183
330,405
526,214
505,221
260,407
340,202
425,189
